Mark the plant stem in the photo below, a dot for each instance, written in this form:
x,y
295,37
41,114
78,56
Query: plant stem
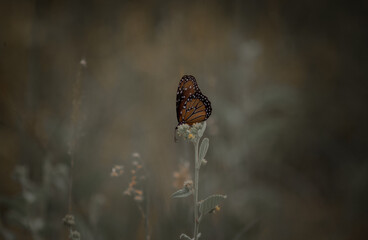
x,y
196,181
70,183
146,225
144,213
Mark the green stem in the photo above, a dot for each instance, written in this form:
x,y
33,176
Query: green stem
x,y
196,181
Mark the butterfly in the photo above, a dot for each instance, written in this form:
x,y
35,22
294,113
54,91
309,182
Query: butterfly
x,y
192,106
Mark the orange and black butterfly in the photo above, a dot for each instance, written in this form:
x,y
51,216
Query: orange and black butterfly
x,y
191,105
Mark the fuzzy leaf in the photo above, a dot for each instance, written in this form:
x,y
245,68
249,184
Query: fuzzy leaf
x,y
181,193
201,130
203,148
188,238
184,236
208,204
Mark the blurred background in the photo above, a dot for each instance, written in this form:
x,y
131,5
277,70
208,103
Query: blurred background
x,y
96,82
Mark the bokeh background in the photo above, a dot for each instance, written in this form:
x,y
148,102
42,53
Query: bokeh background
x,y
96,81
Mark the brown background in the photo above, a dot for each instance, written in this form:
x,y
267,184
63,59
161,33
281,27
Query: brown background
x,y
288,134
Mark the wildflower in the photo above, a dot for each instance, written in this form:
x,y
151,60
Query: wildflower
x,y
181,175
188,184
191,133
69,220
136,155
215,209
74,235
138,192
138,198
128,191
117,170
83,62
132,183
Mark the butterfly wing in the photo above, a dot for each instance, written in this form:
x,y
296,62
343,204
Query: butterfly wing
x,y
187,87
196,109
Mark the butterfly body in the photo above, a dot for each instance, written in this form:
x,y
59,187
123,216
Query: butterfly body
x,y
192,106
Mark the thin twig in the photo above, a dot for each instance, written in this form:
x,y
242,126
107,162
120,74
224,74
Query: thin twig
x,y
143,212
70,183
146,224
75,115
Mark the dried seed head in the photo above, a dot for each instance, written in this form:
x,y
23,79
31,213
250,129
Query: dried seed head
x,y
188,184
69,220
117,170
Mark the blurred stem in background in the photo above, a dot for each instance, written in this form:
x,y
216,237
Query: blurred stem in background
x,y
69,220
137,187
75,123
